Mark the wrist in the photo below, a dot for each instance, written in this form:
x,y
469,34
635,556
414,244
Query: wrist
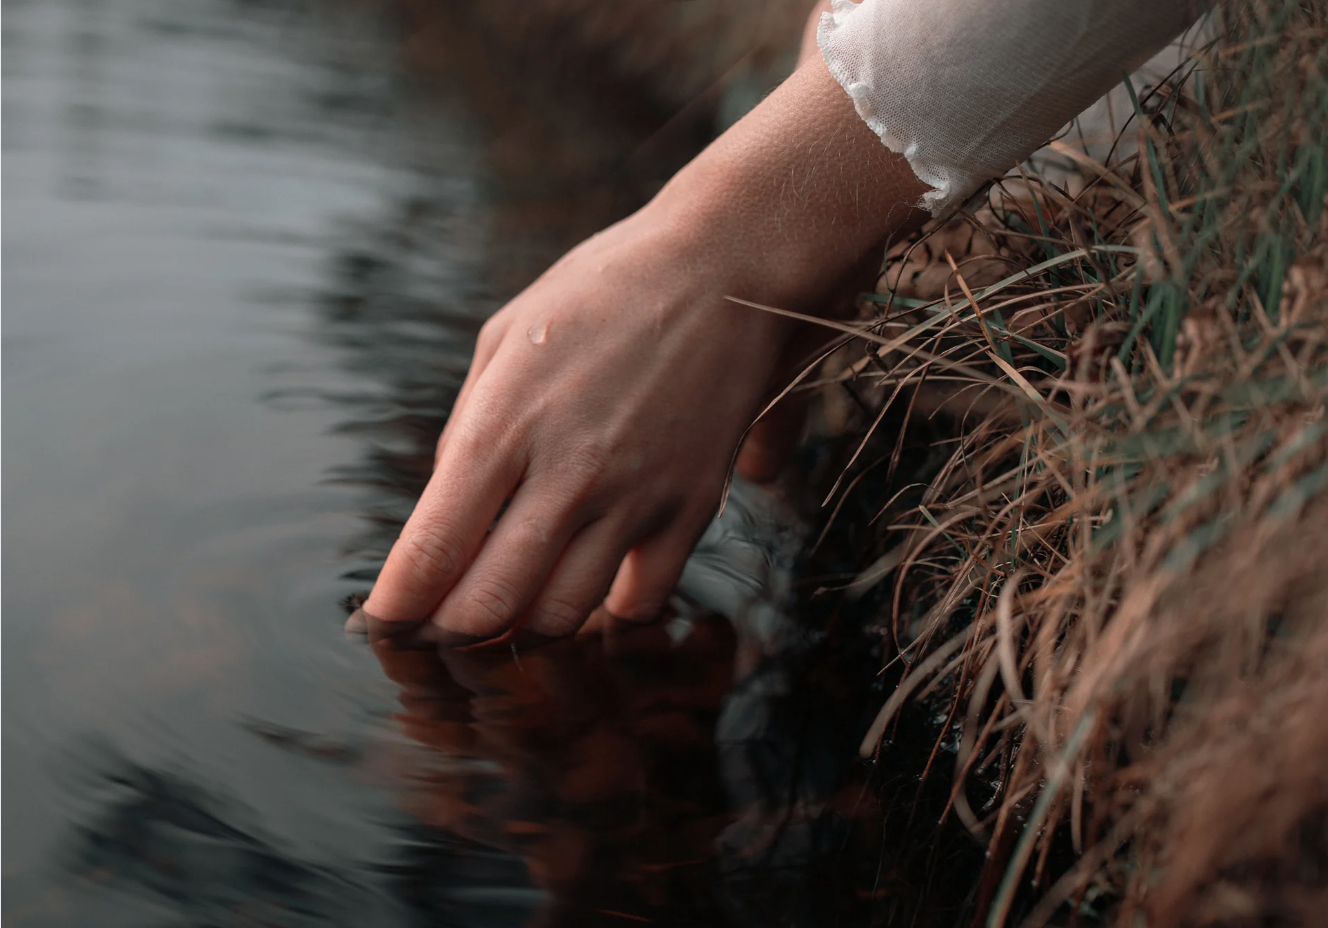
x,y
794,198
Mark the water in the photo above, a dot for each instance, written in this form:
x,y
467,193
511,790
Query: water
x,y
245,254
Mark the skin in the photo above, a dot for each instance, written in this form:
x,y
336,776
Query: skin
x,y
605,402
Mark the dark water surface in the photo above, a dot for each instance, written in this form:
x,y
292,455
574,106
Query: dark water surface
x,y
244,258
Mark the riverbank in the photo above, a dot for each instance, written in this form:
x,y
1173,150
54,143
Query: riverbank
x,y
1110,573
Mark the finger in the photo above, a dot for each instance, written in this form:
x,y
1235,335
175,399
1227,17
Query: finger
x,y
649,573
577,585
511,567
446,529
772,441
486,346
598,622
404,635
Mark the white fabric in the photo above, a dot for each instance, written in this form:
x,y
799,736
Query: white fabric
x,y
967,89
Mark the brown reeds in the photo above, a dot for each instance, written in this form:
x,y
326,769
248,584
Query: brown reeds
x,y
1119,572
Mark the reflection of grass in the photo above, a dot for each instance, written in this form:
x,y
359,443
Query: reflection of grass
x,y
1114,551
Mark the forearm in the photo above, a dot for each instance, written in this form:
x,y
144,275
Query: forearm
x,y
795,196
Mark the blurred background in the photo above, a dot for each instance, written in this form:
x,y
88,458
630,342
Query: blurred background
x,y
247,244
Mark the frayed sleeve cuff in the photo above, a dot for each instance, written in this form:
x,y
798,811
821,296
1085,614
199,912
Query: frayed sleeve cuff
x,y
966,89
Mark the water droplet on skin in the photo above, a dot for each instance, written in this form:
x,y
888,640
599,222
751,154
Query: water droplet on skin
x,y
538,332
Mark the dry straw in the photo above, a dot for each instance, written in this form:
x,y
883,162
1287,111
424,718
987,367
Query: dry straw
x,y
1118,574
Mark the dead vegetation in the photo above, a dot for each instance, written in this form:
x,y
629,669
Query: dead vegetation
x,y
1117,572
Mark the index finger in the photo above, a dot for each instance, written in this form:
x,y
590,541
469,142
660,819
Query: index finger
x,y
447,528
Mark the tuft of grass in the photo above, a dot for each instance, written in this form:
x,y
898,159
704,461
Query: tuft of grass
x,y
1117,571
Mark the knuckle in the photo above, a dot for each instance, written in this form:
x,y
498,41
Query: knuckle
x,y
431,553
580,477
491,602
490,334
533,534
483,438
559,617
588,463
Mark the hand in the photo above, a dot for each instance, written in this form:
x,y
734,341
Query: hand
x,y
605,402
602,407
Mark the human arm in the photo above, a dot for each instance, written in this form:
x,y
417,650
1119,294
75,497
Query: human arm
x,y
606,401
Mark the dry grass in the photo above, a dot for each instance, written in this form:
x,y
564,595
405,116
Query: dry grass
x,y
1119,574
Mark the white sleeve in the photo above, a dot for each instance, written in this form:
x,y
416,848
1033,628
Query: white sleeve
x,y
967,89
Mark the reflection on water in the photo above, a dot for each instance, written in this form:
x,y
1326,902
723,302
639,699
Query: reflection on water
x,y
245,257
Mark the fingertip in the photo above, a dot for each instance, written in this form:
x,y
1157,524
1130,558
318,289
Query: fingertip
x,y
635,613
645,581
598,622
357,623
631,608
486,603
411,635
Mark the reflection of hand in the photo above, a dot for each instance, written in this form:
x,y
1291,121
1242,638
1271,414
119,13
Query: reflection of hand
x,y
605,402
572,758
